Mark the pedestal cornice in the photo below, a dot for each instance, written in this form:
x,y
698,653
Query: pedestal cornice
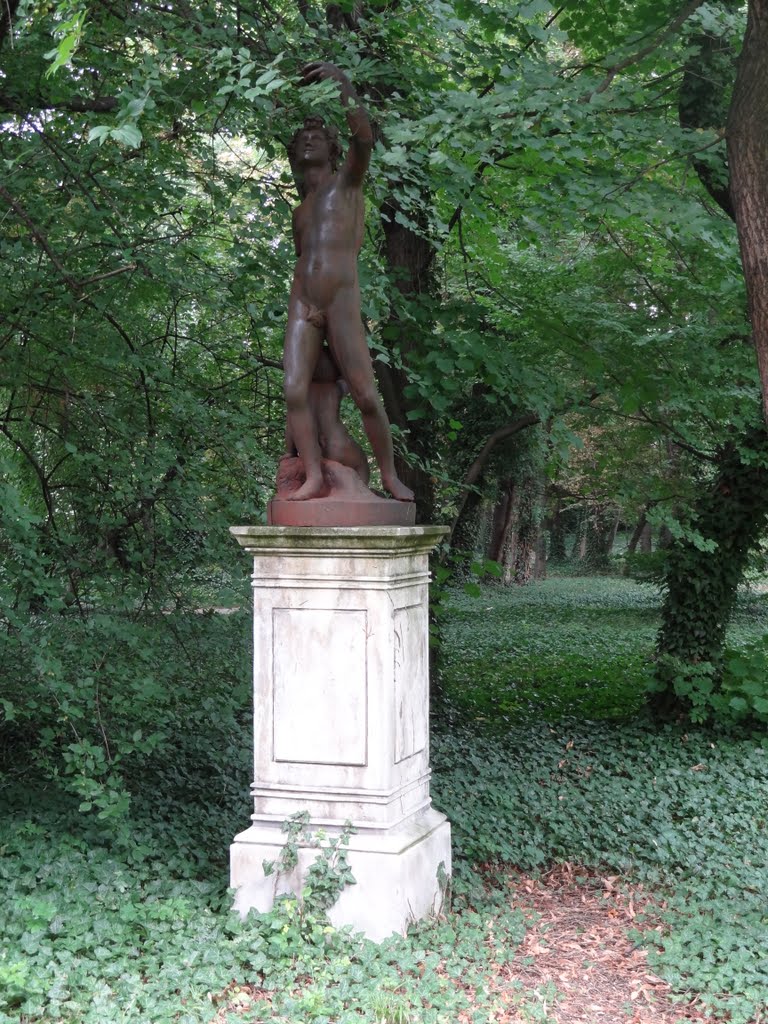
x,y
314,541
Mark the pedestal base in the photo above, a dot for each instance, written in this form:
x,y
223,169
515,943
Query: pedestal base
x,y
341,722
400,874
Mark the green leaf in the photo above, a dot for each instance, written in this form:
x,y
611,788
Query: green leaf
x,y
99,133
128,134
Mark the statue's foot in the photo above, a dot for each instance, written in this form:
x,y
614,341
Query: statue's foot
x,y
311,488
397,489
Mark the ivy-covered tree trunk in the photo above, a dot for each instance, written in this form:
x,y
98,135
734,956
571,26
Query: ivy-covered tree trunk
x,y
646,540
703,573
466,538
540,557
523,566
579,548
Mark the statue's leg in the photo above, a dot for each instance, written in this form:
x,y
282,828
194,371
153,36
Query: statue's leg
x,y
346,339
303,341
343,448
335,440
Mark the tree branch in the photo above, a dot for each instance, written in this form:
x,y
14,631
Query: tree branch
x,y
528,419
635,58
7,14
77,104
617,242
38,469
38,236
72,283
626,186
110,273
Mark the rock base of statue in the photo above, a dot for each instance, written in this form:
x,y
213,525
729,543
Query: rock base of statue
x,y
344,501
341,721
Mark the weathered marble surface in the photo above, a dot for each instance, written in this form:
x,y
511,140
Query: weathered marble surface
x,y
341,693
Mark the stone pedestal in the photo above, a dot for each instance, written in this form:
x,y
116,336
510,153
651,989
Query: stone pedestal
x,y
341,725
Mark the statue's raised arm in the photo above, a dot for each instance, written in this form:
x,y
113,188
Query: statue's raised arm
x,y
361,136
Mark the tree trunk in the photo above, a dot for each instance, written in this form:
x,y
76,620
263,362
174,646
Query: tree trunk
x,y
600,535
540,557
557,552
611,539
523,557
637,534
7,15
504,546
703,104
579,549
408,257
701,586
747,132
467,530
646,540
502,516
509,551
664,540
528,530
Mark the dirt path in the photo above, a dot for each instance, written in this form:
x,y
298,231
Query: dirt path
x,y
579,946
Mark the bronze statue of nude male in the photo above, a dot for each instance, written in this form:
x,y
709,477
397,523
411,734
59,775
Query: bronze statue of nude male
x,y
324,321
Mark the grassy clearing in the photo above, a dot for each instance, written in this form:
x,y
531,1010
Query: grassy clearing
x,y
541,755
565,646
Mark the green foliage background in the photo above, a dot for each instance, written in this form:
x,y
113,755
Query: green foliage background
x,y
545,245
542,246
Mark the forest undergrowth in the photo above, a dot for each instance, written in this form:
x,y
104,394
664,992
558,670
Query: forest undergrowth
x,y
546,764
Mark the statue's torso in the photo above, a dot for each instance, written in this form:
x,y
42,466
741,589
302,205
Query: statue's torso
x,y
328,230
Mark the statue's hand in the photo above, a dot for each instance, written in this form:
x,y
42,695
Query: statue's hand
x,y
361,139
321,71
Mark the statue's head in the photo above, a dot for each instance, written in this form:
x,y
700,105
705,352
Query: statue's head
x,y
314,143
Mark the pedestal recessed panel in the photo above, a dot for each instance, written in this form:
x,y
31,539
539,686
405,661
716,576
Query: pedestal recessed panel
x,y
320,685
411,682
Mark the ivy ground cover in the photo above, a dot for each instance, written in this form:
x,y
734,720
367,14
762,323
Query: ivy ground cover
x,y
542,756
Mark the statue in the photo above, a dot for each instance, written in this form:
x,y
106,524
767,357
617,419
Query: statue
x,y
324,305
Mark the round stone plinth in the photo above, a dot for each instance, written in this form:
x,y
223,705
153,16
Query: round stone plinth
x,y
372,511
